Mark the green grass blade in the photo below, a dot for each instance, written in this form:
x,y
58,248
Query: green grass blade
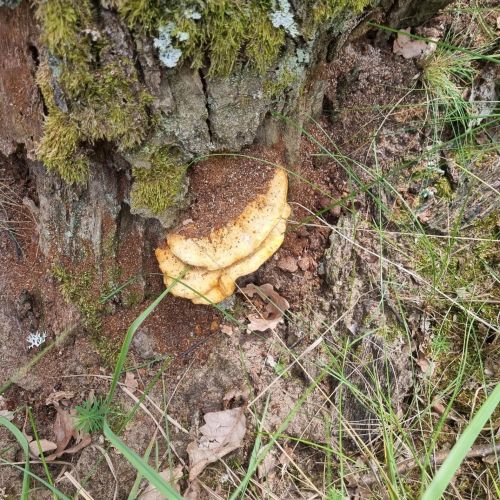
x,y
21,439
130,334
117,289
135,487
40,452
141,466
462,446
55,491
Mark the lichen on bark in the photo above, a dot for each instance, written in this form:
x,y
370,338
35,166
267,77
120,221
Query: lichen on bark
x,y
103,81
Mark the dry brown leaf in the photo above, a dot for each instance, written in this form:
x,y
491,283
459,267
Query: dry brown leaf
x,y
45,446
275,308
9,415
410,48
222,433
73,449
227,329
55,397
64,430
131,382
172,477
267,465
194,491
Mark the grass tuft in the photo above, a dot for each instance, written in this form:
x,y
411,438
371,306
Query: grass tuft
x,y
90,415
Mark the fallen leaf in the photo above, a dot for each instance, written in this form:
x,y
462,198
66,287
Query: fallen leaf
x,y
288,264
193,492
45,446
9,415
258,324
426,366
267,465
131,382
275,308
222,433
172,477
227,330
55,397
64,430
73,449
410,48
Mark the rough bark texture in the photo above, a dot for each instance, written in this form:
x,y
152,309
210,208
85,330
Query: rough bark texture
x,y
21,111
200,115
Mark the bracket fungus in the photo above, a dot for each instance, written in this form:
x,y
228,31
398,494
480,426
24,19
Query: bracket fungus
x,y
212,262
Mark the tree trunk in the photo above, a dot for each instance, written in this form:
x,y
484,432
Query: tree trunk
x,y
96,217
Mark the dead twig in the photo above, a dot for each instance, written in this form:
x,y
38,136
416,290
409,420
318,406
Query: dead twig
x,y
479,451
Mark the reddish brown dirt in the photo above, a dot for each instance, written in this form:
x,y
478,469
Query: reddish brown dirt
x,y
222,186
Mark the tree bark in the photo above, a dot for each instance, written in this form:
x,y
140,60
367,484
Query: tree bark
x,y
201,113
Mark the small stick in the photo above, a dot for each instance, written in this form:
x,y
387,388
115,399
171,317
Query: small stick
x,y
478,451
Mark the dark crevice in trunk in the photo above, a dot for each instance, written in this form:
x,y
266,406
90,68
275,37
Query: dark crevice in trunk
x,y
205,91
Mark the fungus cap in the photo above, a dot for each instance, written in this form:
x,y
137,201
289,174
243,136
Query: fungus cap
x,y
238,248
238,238
196,278
227,282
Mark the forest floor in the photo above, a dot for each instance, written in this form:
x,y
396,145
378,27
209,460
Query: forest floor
x,y
382,337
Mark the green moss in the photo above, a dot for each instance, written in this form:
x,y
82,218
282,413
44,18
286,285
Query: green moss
x,y
99,95
264,41
58,148
142,15
276,86
64,23
80,290
131,297
77,289
157,188
443,188
323,10
226,31
113,107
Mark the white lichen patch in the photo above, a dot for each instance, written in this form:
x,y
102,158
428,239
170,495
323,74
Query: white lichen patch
x,y
282,17
36,339
168,54
192,14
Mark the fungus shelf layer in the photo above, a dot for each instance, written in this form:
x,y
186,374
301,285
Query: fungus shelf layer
x,y
213,261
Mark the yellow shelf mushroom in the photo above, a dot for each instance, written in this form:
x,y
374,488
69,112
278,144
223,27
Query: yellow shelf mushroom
x,y
212,264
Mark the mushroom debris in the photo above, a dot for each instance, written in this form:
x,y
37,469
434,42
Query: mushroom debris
x,y
208,267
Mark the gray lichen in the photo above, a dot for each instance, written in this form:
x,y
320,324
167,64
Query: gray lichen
x,y
9,3
282,17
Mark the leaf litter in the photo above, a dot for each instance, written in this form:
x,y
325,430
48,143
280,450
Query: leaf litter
x,y
275,309
410,48
64,430
222,433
